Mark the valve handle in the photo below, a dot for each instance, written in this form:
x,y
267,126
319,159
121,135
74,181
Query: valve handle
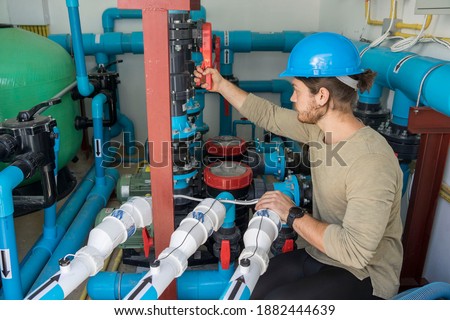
x,y
206,51
225,254
28,115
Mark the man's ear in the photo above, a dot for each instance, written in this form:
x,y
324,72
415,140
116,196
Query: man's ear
x,y
322,96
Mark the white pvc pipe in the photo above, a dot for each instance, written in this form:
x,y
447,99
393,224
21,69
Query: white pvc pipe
x,y
89,260
253,261
193,231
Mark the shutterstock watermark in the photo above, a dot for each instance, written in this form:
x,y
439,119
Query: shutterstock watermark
x,y
268,154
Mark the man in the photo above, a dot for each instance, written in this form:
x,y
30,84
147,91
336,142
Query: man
x,y
353,236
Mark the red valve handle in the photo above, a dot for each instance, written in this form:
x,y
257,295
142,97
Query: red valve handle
x,y
225,254
206,51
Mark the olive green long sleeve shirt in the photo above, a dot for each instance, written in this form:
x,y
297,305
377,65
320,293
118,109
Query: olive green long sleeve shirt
x,y
357,186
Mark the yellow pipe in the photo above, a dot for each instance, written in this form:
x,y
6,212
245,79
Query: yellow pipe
x,y
414,26
393,15
367,15
407,35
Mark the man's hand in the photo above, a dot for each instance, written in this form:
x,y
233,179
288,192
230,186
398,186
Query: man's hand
x,y
277,202
216,78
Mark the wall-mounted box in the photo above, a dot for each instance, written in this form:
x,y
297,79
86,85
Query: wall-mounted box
x,y
432,7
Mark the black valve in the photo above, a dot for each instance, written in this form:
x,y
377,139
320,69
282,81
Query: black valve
x,y
29,162
8,145
28,115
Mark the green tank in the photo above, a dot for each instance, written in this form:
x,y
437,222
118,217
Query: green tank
x,y
33,69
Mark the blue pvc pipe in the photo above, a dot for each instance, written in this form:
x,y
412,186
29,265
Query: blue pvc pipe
x,y
431,291
97,119
10,178
400,108
247,41
110,15
291,188
84,86
40,253
373,96
191,285
230,214
111,43
204,284
83,223
405,71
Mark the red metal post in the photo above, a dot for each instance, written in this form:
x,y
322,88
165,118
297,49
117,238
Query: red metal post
x,y
434,128
157,83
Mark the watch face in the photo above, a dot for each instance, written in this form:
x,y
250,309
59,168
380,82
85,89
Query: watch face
x,y
294,213
297,212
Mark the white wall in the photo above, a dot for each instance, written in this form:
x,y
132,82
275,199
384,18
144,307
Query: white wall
x,y
4,18
347,17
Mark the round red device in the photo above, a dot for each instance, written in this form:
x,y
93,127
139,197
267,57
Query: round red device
x,y
228,175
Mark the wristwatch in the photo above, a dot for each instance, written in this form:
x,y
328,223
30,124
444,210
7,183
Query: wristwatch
x,y
294,213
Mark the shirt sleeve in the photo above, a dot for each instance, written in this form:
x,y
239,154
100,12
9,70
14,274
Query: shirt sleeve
x,y
371,186
281,121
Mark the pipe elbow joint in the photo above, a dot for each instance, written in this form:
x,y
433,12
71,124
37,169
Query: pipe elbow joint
x,y
84,86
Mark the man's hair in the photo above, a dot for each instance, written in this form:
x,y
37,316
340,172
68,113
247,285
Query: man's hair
x,y
342,95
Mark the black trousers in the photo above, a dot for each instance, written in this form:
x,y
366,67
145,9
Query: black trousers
x,y
297,276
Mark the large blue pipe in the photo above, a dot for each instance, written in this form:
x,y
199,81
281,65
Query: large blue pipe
x,y
247,41
83,223
10,178
111,43
97,120
110,16
405,71
84,86
192,285
40,253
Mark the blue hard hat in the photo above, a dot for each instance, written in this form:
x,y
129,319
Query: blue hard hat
x,y
323,54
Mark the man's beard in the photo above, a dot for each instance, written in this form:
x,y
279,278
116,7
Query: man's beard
x,y
312,115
